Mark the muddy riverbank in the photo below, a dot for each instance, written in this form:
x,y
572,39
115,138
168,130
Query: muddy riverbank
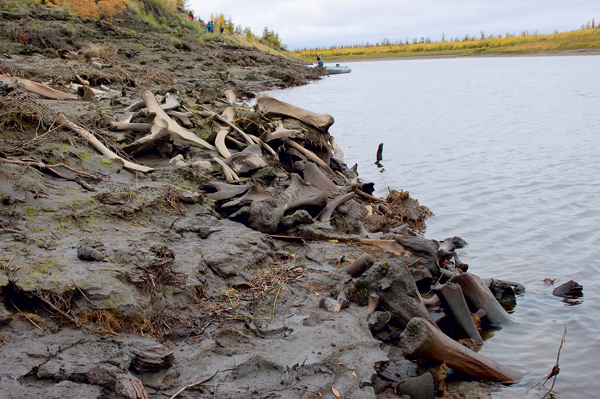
x,y
141,261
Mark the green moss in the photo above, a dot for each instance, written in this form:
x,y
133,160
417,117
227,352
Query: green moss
x,y
84,155
107,162
30,211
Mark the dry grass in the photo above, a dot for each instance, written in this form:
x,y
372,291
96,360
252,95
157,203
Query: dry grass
x,y
97,51
245,301
404,209
158,76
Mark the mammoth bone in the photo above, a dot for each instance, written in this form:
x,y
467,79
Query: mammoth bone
x,y
163,126
269,107
266,214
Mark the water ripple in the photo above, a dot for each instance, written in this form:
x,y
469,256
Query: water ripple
x,y
505,152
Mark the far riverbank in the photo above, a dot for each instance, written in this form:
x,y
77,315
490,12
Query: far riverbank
x,y
416,56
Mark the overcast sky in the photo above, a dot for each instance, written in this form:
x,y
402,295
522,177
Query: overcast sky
x,y
322,23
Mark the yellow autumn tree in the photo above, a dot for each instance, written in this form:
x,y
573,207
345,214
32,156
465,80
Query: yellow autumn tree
x,y
101,9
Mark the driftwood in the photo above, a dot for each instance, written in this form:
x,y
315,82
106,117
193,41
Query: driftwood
x,y
37,88
269,107
369,197
89,136
456,307
393,282
380,152
421,338
163,126
480,297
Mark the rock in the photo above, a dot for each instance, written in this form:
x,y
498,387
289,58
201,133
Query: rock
x,y
393,282
130,387
5,315
88,253
190,197
297,218
421,387
378,320
150,357
202,167
569,288
504,293
247,161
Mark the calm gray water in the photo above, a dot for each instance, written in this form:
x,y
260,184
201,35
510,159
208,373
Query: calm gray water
x,y
506,153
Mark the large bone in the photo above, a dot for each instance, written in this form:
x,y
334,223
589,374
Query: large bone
x,y
37,88
229,174
265,215
230,96
280,133
301,194
163,124
479,296
338,154
269,107
421,338
135,127
387,245
229,115
225,190
455,305
333,204
254,194
313,175
101,148
231,125
393,282
309,154
264,145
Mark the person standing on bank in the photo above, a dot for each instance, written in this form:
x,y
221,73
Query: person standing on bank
x,y
319,61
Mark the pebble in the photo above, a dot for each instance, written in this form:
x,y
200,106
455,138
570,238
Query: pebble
x,y
87,253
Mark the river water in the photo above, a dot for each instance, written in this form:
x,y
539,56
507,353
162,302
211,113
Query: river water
x,y
506,152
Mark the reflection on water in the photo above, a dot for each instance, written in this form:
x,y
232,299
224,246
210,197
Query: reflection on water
x,y
505,152
574,299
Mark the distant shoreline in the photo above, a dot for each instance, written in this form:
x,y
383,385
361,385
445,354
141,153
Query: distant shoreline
x,y
547,53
